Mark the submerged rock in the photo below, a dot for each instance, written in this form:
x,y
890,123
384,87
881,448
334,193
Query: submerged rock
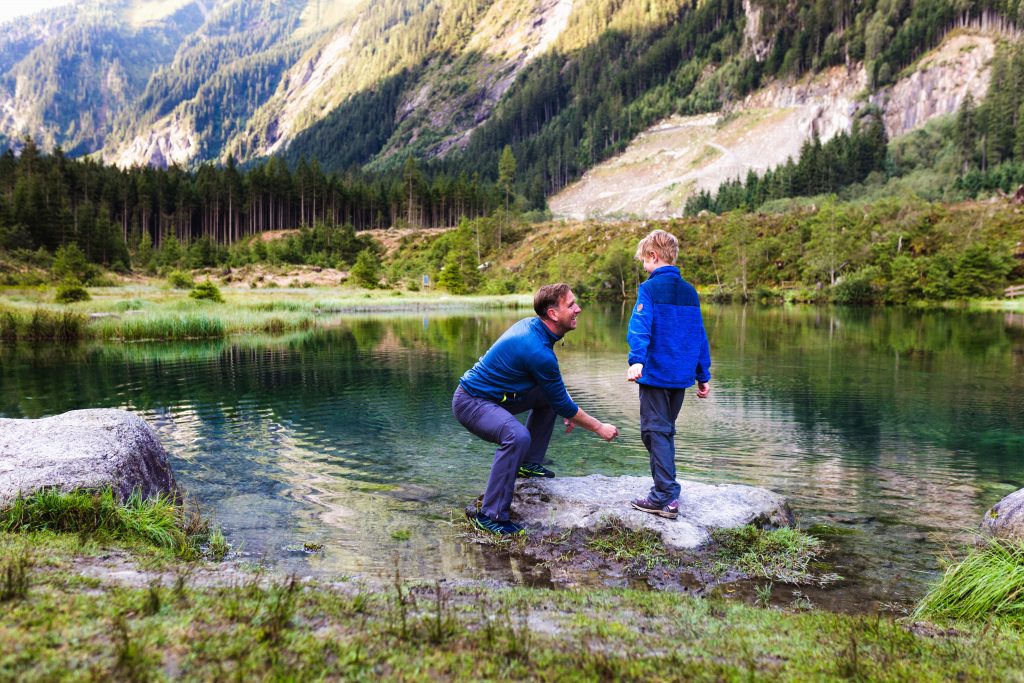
x,y
1005,519
593,501
82,449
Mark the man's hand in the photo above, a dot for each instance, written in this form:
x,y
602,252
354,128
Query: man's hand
x,y
568,424
607,431
636,371
703,389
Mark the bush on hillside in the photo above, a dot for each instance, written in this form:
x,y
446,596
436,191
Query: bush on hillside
x,y
206,291
179,279
70,291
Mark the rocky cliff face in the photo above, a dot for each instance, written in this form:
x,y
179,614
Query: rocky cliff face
x,y
938,84
683,155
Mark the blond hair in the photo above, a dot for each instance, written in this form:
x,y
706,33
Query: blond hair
x,y
664,245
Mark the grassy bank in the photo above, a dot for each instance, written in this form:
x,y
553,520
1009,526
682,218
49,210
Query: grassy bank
x,y
151,312
67,626
91,602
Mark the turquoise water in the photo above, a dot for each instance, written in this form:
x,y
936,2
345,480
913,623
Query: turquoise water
x,y
901,427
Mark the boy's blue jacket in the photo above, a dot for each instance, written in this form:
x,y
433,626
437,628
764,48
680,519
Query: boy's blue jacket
x,y
666,332
521,359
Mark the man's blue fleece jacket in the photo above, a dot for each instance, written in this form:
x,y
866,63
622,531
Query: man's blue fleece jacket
x,y
666,332
521,359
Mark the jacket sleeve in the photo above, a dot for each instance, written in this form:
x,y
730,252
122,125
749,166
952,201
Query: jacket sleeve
x,y
703,370
549,377
638,334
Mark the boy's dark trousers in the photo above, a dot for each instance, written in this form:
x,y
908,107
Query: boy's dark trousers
x,y
517,444
659,409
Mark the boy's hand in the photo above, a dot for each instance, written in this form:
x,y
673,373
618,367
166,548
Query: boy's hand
x,y
703,389
636,370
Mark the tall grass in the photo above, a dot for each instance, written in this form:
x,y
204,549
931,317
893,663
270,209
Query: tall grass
x,y
989,582
186,325
155,521
41,324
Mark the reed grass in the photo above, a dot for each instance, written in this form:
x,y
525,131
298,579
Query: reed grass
x,y
988,582
41,324
159,326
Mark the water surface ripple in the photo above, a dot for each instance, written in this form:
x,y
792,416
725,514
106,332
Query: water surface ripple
x,y
899,427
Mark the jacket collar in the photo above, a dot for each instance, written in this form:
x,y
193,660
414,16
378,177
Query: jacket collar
x,y
666,270
549,336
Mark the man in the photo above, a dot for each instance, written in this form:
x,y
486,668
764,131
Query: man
x,y
519,373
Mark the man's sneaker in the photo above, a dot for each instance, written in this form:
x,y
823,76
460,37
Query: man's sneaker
x,y
493,526
645,505
532,469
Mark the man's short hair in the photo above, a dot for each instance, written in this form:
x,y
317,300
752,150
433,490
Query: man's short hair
x,y
549,296
662,243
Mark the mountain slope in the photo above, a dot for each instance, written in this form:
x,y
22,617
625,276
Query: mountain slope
x,y
67,75
681,155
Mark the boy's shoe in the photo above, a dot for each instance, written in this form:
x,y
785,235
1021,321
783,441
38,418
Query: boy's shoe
x,y
532,469
493,526
671,511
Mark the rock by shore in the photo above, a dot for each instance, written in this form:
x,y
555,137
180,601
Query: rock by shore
x,y
595,500
1005,519
83,449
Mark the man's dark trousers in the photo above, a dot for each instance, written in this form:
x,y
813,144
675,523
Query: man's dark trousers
x,y
659,409
496,422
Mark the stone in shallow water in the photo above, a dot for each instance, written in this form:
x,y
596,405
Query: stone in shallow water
x,y
1006,518
592,501
82,449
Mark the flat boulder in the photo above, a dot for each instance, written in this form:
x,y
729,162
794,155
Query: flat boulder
x,y
1005,519
594,501
83,449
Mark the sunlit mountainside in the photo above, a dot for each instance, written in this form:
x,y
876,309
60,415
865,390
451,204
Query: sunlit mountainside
x,y
568,84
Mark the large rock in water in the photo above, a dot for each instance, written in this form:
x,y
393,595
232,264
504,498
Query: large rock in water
x,y
82,449
1005,519
594,500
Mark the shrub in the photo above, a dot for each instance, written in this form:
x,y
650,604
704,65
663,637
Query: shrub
x,y
206,291
180,279
71,291
858,288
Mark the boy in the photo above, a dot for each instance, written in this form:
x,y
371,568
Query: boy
x,y
668,351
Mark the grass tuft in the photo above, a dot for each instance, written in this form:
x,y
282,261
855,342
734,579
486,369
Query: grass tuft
x,y
14,577
157,521
785,555
989,582
642,550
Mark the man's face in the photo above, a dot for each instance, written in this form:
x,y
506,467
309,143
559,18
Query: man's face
x,y
564,316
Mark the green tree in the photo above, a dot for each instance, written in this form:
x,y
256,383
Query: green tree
x,y
506,176
830,249
69,262
978,272
145,253
366,269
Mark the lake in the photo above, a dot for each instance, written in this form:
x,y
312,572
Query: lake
x,y
897,427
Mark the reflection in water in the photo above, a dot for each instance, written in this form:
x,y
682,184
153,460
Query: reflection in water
x,y
899,426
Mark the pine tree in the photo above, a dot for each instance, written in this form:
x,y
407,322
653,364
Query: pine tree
x,y
506,176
